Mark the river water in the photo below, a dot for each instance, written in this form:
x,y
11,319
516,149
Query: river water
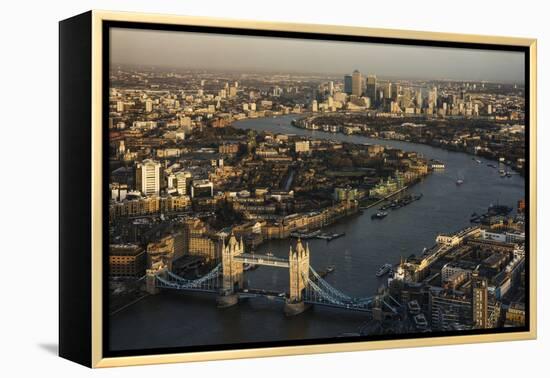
x,y
174,319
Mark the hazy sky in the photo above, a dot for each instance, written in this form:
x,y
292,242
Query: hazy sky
x,y
215,51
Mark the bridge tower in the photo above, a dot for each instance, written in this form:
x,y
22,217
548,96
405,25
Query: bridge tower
x,y
158,268
298,268
232,270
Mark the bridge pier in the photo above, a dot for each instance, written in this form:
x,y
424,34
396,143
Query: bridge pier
x,y
151,285
295,308
225,300
157,269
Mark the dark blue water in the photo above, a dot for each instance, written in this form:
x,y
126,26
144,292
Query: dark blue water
x,y
179,320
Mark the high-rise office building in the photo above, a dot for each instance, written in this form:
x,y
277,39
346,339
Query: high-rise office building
x,y
387,90
148,177
395,90
405,98
432,97
356,85
331,88
479,301
418,98
348,84
371,88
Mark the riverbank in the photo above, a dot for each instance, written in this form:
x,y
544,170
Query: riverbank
x,y
385,198
297,124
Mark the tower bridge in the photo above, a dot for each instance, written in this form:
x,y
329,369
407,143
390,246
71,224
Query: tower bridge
x,y
306,286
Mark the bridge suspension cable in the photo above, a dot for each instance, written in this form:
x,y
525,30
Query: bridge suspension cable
x,y
327,287
320,291
208,282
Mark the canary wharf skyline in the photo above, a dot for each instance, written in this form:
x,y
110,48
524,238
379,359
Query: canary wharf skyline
x,y
187,50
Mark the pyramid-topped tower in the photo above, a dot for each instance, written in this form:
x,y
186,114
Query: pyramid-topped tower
x,y
298,259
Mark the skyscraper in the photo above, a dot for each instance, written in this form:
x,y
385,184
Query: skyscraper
x,y
395,90
148,177
371,88
388,90
418,97
432,97
347,84
405,98
356,87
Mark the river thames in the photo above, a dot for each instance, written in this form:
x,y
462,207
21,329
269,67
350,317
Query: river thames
x,y
177,319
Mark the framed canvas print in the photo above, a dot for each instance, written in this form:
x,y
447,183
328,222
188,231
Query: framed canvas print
x,y
234,189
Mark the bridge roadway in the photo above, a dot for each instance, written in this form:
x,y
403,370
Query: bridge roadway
x,y
253,259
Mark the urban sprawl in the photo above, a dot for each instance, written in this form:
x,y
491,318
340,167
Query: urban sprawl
x,y
186,186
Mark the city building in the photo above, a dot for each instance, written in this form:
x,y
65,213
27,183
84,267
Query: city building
x,y
479,301
345,194
387,91
356,83
449,310
182,181
228,148
348,84
127,260
202,188
148,105
371,89
148,177
301,146
515,315
200,241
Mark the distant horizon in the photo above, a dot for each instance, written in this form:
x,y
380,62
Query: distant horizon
x,y
252,54
325,75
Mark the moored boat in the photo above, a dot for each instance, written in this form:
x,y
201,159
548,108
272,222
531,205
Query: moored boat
x,y
384,269
379,215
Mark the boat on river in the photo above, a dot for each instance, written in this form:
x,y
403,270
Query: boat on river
x,y
329,237
383,270
305,235
379,215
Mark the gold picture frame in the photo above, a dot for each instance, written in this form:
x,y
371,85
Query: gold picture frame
x,y
90,329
